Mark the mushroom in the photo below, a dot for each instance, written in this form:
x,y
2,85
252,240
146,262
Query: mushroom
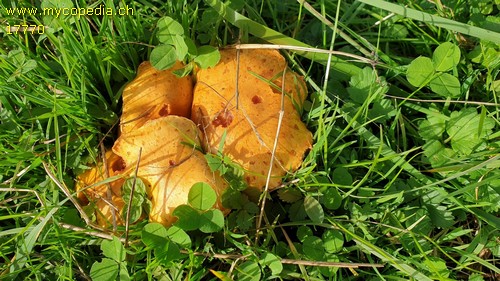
x,y
98,194
155,93
158,139
169,163
247,123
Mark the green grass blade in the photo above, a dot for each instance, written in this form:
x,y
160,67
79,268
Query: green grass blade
x,y
452,25
27,244
384,256
388,152
487,217
339,66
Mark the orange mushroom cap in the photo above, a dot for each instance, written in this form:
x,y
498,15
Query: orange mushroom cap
x,y
155,93
250,120
98,194
169,163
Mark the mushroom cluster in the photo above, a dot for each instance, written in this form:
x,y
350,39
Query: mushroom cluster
x,y
166,124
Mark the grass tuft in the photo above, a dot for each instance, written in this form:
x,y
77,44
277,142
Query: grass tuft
x,y
402,182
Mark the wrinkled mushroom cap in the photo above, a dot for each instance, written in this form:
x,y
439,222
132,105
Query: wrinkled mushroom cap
x,y
170,189
169,163
165,142
98,195
251,128
155,93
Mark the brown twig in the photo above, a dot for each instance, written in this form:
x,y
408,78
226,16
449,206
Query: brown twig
x,y
24,190
445,101
109,197
66,192
290,261
237,88
273,153
231,256
127,219
305,49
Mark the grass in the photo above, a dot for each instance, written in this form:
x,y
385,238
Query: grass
x,y
402,183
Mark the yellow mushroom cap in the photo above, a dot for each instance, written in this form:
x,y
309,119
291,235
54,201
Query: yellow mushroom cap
x,y
169,163
98,194
155,93
170,189
251,127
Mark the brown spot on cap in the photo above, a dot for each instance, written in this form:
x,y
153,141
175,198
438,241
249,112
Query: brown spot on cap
x,y
164,110
224,119
256,99
118,165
